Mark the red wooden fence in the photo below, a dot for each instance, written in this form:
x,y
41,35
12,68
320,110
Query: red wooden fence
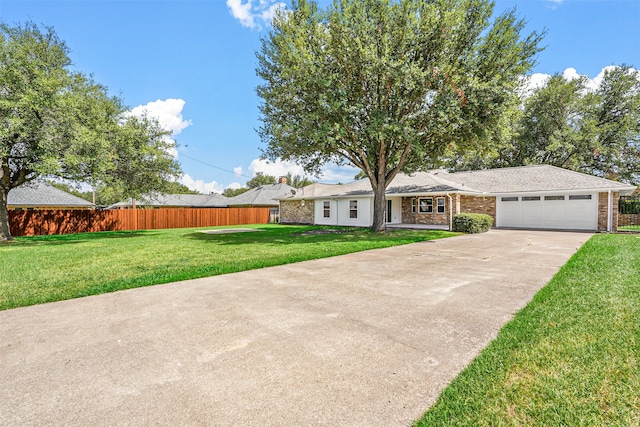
x,y
42,222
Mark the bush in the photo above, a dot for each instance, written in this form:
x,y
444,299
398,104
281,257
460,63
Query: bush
x,y
472,223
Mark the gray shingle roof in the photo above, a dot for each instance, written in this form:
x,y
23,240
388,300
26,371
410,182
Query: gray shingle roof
x,y
178,200
40,194
264,195
533,178
522,179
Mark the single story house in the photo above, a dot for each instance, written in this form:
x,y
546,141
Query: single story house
x,y
539,196
176,201
40,195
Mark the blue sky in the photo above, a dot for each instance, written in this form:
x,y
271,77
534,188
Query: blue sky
x,y
192,63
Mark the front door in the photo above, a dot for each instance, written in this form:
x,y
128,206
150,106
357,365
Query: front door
x,y
389,215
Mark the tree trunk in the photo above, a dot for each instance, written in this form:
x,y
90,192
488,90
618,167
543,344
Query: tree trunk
x,y
5,233
379,208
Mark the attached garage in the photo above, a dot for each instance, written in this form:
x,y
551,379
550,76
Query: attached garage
x,y
548,211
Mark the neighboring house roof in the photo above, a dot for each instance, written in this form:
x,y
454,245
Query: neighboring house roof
x,y
522,179
178,200
41,194
264,195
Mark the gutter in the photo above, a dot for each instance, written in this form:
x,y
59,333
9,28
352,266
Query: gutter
x,y
609,211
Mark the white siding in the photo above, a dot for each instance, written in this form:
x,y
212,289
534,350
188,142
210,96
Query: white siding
x,y
340,213
364,213
319,213
396,210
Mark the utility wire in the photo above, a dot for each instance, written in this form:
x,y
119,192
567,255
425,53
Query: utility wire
x,y
222,169
213,166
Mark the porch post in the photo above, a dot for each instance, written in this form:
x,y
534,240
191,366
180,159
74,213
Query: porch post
x,y
450,212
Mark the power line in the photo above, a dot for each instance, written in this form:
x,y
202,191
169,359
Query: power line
x,y
213,166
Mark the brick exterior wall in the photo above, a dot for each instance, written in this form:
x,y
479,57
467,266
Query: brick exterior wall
x,y
483,205
628,219
603,211
296,212
433,218
461,204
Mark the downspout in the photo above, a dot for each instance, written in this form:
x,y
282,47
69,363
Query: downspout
x,y
450,212
609,211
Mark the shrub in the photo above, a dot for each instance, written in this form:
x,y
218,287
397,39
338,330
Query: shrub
x,y
472,222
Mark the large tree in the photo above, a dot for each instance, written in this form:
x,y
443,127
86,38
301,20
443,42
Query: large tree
x,y
386,85
57,122
568,123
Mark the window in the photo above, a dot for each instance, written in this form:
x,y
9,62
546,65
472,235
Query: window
x,y
353,209
509,199
327,209
440,202
425,205
414,202
530,198
554,197
580,197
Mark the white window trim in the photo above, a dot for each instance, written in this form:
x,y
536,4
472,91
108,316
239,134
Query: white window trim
x,y
353,209
326,208
427,205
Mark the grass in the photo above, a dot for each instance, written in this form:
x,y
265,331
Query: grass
x,y
629,228
36,270
570,358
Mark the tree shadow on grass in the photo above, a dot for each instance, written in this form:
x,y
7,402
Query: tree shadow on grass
x,y
67,239
310,235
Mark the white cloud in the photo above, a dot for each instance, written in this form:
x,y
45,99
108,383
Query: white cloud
x,y
594,83
570,74
533,82
234,185
168,113
238,170
169,116
242,12
277,168
553,4
201,186
330,174
538,80
251,13
269,13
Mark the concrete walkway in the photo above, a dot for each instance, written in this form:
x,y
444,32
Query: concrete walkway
x,y
366,339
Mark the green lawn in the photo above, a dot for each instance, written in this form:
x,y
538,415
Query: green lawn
x,y
629,228
570,358
35,270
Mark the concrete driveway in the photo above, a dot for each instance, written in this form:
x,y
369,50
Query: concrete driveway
x,y
367,339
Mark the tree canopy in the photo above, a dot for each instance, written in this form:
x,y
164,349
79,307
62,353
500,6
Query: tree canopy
x,y
386,85
568,124
58,122
260,179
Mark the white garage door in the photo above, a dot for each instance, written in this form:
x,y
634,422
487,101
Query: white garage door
x,y
560,211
